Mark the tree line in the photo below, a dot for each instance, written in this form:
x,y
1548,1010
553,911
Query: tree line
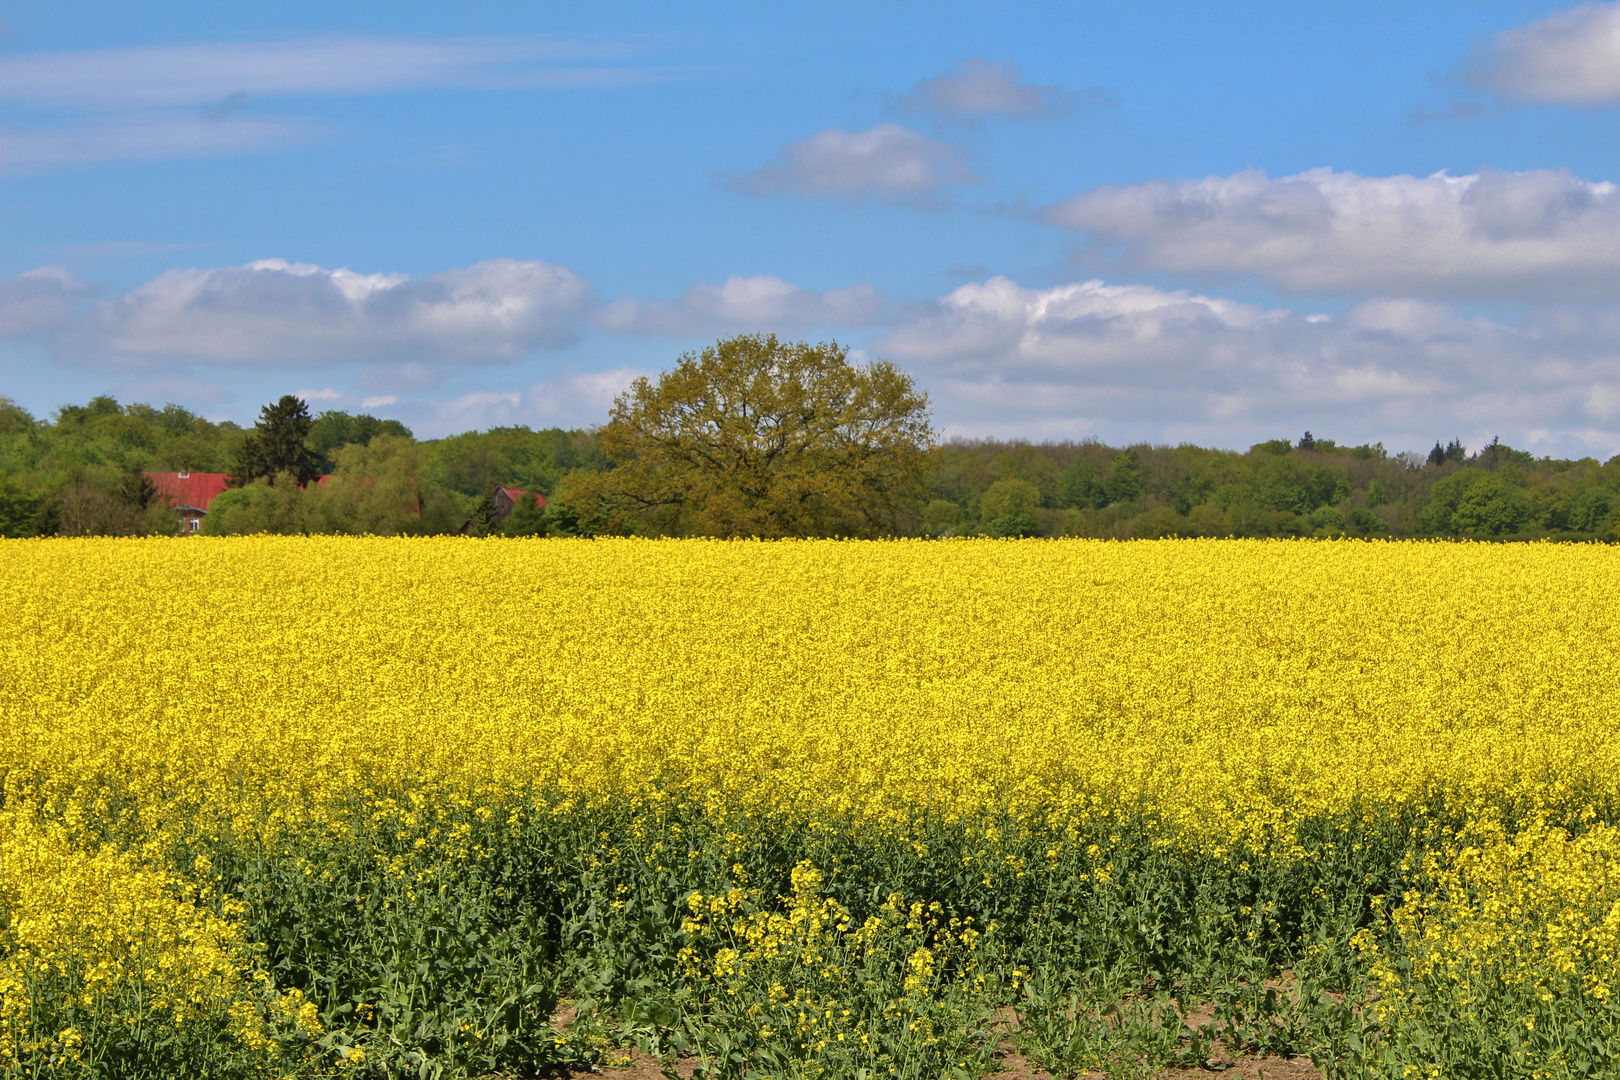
x,y
758,437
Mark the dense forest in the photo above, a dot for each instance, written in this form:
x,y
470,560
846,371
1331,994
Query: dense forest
x,y
82,473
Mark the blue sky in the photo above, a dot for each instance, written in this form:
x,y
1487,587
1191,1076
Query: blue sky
x,y
1145,221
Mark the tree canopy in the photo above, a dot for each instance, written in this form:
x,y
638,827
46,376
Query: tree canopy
x,y
78,473
277,445
333,429
760,437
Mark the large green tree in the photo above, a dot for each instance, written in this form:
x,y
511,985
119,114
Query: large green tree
x,y
760,437
277,445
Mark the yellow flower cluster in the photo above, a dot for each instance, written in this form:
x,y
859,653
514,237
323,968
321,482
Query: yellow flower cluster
x,y
1518,931
96,938
1538,911
1231,686
162,697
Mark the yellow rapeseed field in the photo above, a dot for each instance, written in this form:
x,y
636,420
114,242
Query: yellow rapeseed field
x,y
1372,757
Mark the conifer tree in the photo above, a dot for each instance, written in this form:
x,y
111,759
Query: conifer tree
x,y
277,445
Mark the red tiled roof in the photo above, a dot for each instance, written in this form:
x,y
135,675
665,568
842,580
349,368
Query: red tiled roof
x,y
188,489
515,494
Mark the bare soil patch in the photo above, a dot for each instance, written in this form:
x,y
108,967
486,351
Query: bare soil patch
x,y
1014,1066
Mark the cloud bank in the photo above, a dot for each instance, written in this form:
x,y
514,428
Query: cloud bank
x,y
1120,361
1569,58
887,162
1512,236
763,304
1132,361
577,400
40,302
278,313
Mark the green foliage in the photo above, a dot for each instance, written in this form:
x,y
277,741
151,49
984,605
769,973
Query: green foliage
x,y
906,991
1496,455
1124,482
1452,453
260,507
1327,521
1280,489
14,419
529,519
1012,525
940,518
1159,523
332,430
24,512
1008,508
1080,486
1009,496
72,474
754,948
125,504
758,437
1474,502
277,445
1590,511
1366,522
379,489
1206,520
477,461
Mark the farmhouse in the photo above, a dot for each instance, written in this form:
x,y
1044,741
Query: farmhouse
x,y
190,493
506,500
500,504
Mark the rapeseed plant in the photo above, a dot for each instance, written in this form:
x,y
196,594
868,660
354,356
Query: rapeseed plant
x,y
336,804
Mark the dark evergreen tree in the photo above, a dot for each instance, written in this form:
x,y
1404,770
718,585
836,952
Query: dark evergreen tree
x,y
1452,453
136,490
277,445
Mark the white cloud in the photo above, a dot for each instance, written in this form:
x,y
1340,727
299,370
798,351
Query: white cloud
x,y
201,74
1130,362
569,401
377,401
1118,329
887,161
409,376
275,312
327,394
743,303
1516,236
178,101
979,88
1571,58
278,313
143,138
40,301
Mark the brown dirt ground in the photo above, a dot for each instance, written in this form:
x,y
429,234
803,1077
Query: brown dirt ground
x,y
1012,1064
1015,1067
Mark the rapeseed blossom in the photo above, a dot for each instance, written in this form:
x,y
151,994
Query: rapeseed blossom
x,y
1013,715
